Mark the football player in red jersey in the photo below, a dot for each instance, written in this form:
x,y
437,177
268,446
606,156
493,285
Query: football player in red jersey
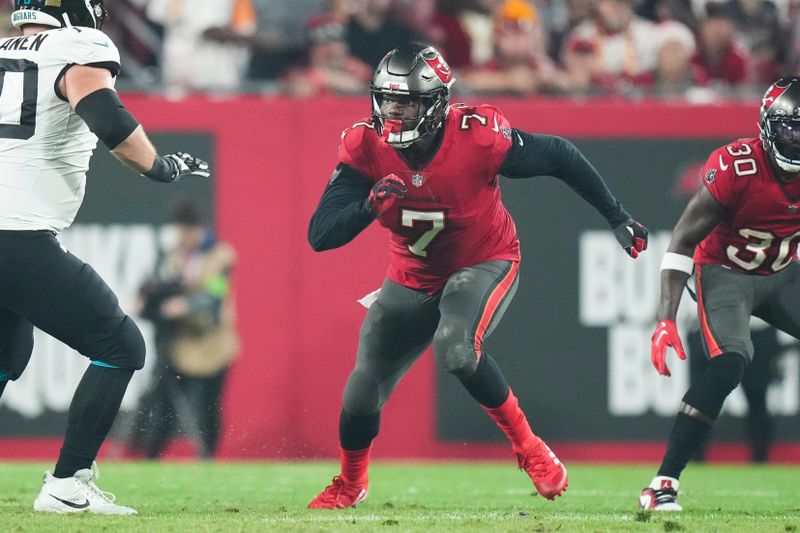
x,y
739,235
428,171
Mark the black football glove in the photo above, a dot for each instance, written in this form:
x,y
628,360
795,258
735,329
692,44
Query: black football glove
x,y
172,167
632,236
385,193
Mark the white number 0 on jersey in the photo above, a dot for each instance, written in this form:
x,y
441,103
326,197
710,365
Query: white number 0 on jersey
x,y
18,88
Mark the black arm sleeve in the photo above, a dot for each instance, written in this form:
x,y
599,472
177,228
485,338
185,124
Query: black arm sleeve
x,y
106,117
341,213
548,155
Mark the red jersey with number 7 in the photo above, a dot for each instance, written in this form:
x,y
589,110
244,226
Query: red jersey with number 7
x,y
762,229
452,216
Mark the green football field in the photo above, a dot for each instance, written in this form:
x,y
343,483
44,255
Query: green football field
x,y
410,497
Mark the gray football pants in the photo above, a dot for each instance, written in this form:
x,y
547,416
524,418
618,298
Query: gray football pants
x,y
727,298
403,322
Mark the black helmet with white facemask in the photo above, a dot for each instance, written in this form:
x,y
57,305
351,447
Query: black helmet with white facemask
x,y
59,13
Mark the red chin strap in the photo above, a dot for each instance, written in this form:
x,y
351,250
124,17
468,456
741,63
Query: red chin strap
x,y
391,126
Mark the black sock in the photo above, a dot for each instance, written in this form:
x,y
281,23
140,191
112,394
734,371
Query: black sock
x,y
760,429
487,384
93,409
357,432
700,408
687,436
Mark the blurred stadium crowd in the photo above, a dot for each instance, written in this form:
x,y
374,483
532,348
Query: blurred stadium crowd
x,y
698,50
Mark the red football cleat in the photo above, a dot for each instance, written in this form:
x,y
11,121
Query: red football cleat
x,y
541,464
339,495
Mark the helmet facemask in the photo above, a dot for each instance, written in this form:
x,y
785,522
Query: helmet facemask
x,y
783,140
99,11
401,132
780,123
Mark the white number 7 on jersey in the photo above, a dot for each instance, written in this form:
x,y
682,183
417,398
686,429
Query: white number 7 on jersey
x,y
436,218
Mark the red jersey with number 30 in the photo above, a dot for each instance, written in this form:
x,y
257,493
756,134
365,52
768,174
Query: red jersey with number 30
x,y
762,229
452,216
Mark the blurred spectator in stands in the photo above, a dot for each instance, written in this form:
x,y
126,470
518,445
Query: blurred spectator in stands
x,y
331,68
520,65
371,32
198,54
281,39
723,61
6,29
140,42
793,47
761,30
562,17
188,299
675,75
613,52
416,14
664,10
449,35
463,30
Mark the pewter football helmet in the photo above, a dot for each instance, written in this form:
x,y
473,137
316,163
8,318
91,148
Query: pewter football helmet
x,y
418,72
780,123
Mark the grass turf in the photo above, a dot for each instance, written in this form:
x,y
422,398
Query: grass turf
x,y
410,497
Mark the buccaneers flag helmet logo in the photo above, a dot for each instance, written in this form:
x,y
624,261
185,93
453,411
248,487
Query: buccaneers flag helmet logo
x,y
440,67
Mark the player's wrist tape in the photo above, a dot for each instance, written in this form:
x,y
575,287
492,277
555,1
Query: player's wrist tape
x,y
163,170
673,261
106,117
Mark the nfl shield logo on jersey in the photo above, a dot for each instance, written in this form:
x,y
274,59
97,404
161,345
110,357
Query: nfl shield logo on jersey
x,y
417,180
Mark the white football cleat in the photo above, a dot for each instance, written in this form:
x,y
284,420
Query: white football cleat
x,y
77,494
661,495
